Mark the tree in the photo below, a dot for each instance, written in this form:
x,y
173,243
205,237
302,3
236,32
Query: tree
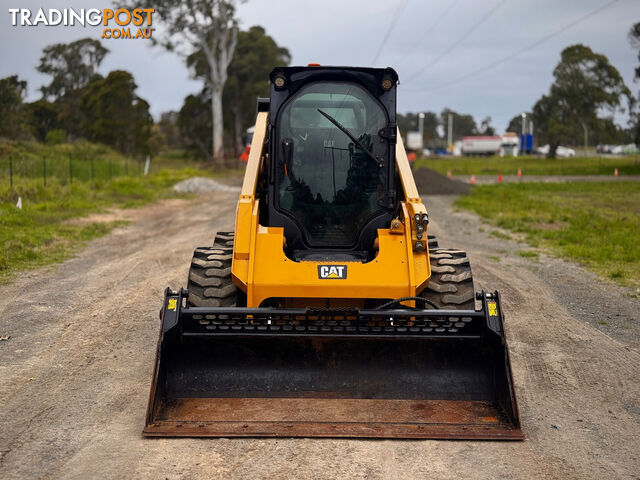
x,y
209,25
586,87
168,125
411,122
255,56
486,128
634,120
194,122
12,112
43,117
72,65
515,124
463,124
115,115
634,39
156,141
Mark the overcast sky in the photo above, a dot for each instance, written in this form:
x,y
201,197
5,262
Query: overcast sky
x,y
432,45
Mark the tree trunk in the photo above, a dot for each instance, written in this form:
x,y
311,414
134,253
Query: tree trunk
x,y
218,45
216,113
237,130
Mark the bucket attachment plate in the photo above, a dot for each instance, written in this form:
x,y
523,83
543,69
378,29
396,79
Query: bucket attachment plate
x,y
387,374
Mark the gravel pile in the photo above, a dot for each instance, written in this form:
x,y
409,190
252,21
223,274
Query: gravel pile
x,y
430,182
201,185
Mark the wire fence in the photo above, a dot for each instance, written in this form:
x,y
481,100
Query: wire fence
x,y
66,169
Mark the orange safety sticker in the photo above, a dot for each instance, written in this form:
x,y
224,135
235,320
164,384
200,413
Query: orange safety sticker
x,y
173,304
493,309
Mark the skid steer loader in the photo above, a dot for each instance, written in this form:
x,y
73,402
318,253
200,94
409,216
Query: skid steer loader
x,y
329,311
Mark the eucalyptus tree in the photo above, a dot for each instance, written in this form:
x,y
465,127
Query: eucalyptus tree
x,y
191,25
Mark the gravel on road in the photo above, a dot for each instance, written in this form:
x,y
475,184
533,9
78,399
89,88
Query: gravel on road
x,y
203,185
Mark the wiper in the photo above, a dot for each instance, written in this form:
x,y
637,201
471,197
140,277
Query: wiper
x,y
348,134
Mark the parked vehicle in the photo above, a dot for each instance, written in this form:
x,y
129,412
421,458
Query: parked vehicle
x,y
414,141
617,149
560,151
481,145
604,148
510,145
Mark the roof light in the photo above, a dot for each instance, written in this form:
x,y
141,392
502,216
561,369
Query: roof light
x,y
279,81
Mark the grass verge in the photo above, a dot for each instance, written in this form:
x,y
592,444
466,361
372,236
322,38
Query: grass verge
x,y
79,161
530,165
38,234
596,224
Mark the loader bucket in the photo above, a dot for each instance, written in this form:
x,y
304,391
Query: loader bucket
x,y
283,373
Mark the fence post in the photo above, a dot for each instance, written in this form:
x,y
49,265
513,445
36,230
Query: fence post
x,y
70,171
44,170
11,171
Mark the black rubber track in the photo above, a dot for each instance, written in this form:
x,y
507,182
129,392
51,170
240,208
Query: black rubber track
x,y
209,282
451,283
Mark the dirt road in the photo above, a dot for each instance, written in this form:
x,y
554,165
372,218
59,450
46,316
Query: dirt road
x,y
74,376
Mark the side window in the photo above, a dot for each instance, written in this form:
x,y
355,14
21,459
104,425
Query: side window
x,y
329,183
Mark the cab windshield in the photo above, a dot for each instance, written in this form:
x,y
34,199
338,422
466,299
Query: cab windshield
x,y
330,184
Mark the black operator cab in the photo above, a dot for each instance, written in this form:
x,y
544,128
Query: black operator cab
x,y
332,134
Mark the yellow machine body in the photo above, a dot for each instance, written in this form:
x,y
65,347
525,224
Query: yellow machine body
x,y
262,270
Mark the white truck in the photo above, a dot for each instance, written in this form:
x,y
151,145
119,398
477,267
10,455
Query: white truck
x,y
414,142
481,145
510,145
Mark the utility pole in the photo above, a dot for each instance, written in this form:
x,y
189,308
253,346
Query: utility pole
x,y
421,128
450,133
586,138
523,136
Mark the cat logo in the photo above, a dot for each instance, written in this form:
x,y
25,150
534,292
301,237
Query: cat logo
x,y
335,272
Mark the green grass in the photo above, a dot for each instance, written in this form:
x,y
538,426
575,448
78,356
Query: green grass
x,y
626,165
81,178
596,224
79,161
528,254
38,234
497,234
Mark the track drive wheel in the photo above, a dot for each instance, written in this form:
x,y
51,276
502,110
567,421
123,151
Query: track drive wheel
x,y
210,283
451,283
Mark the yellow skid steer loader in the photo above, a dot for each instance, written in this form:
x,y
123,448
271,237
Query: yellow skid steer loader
x,y
329,311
